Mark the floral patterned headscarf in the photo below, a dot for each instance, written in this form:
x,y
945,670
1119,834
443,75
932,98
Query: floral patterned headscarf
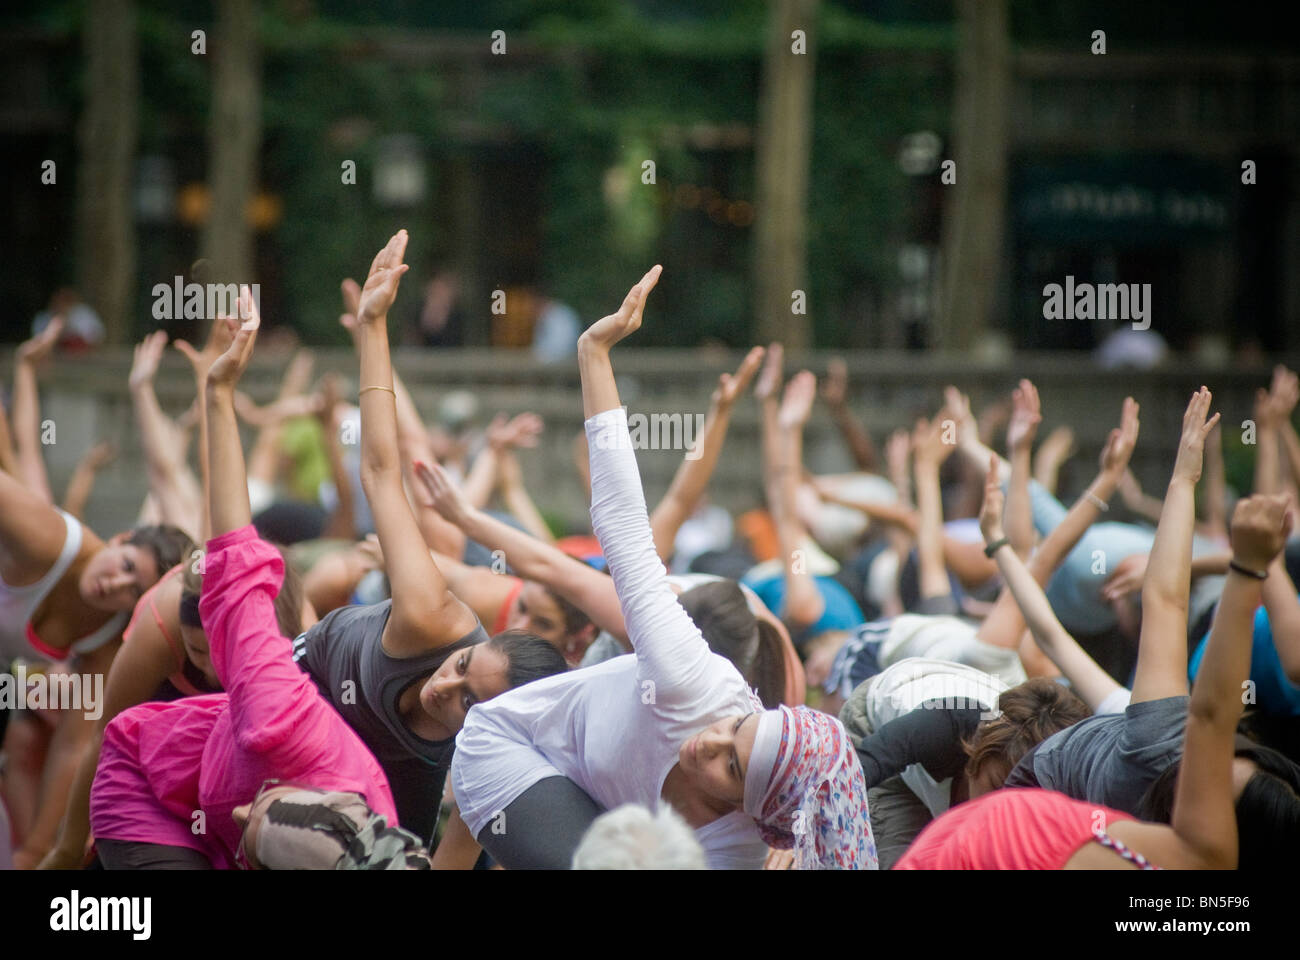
x,y
805,788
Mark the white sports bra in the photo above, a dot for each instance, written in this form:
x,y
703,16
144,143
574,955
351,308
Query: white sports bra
x,y
17,604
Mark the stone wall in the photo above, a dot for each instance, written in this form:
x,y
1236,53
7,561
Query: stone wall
x,y
87,400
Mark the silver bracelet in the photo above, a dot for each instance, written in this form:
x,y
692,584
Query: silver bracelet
x,y
1096,501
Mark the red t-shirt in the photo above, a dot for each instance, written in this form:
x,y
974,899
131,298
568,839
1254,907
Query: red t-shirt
x,y
1015,828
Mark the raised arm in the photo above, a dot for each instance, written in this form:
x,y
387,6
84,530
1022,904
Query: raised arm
x,y
514,494
589,590
804,603
835,390
1136,499
27,410
1089,680
83,477
1204,818
692,477
161,441
1026,414
1216,490
412,438
929,451
218,342
671,652
1283,396
1268,466
1004,624
426,615
1162,650
767,391
892,514
227,493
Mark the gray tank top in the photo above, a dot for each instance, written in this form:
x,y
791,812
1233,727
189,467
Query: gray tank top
x,y
344,657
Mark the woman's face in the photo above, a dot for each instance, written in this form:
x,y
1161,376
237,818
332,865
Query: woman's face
x,y
535,611
465,678
196,648
716,759
116,577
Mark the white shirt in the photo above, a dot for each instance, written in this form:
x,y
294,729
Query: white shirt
x,y
952,639
906,685
614,729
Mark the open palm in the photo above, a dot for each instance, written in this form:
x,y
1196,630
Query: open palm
x,y
607,331
386,271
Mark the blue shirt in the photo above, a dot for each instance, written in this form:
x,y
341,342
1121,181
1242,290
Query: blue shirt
x,y
842,611
1274,693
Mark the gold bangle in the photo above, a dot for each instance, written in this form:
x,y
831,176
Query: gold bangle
x,y
364,389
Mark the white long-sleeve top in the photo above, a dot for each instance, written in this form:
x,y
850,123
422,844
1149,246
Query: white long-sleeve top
x,y
614,729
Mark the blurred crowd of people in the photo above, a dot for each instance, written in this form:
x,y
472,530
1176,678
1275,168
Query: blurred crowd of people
x,y
358,643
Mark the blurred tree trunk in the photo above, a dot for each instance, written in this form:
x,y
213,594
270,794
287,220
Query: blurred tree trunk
x,y
973,224
784,144
234,138
105,228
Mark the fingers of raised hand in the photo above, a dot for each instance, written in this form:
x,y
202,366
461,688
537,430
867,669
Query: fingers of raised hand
x,y
351,295
748,367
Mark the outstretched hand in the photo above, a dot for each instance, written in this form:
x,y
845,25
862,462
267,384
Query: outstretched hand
x,y
386,272
796,407
994,502
98,456
1026,415
625,321
769,381
144,363
521,430
957,404
440,493
929,444
1191,446
230,366
1283,393
219,337
731,386
1118,450
39,347
835,388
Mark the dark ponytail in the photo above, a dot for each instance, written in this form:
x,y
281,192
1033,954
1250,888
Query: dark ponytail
x,y
768,675
731,630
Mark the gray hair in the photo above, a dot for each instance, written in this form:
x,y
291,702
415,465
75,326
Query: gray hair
x,y
630,837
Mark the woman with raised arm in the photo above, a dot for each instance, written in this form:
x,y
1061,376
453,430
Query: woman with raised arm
x,y
165,652
1042,829
165,767
404,672
65,595
674,724
756,643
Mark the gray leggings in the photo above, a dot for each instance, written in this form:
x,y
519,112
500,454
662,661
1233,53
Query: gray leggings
x,y
138,855
540,829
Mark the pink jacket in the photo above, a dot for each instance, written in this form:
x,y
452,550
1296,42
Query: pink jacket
x,y
172,773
